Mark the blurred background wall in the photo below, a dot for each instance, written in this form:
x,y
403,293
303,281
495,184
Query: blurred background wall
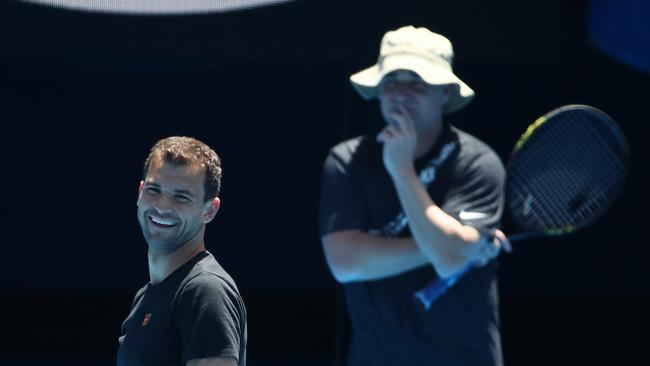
x,y
84,96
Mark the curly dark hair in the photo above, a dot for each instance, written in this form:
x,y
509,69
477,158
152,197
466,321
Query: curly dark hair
x,y
182,150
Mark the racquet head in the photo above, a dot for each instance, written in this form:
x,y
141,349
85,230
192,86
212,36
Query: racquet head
x,y
565,171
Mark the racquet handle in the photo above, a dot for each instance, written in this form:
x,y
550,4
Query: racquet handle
x,y
436,288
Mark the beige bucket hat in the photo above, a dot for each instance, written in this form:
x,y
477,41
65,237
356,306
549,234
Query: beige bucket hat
x,y
428,54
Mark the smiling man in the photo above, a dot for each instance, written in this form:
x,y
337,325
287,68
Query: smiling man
x,y
191,312
408,204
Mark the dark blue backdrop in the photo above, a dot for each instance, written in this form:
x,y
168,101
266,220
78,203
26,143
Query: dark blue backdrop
x,y
84,97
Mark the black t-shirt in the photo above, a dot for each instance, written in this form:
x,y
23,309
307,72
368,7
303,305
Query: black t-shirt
x,y
196,312
465,178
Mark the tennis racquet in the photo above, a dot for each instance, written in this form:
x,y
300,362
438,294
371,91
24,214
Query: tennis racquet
x,y
565,171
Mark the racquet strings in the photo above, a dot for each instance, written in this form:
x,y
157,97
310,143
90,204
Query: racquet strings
x,y
567,173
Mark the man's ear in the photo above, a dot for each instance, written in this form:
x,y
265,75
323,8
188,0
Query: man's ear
x,y
211,210
140,188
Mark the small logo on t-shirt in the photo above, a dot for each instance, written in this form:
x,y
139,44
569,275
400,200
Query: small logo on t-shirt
x,y
471,215
146,319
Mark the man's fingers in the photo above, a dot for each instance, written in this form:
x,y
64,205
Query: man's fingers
x,y
387,133
491,246
397,120
503,241
405,120
506,245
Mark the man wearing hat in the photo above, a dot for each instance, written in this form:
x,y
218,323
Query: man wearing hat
x,y
407,205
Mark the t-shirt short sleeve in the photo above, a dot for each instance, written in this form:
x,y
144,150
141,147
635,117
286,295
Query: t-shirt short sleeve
x,y
476,195
342,205
209,317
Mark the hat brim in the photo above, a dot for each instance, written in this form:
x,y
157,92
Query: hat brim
x,y
366,82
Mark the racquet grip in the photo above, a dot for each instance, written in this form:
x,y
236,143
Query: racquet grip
x,y
436,288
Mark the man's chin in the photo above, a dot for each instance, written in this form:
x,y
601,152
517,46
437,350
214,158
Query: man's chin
x,y
162,247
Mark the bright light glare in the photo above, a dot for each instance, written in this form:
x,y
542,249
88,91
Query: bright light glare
x,y
157,7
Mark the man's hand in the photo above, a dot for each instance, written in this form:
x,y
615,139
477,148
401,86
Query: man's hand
x,y
400,140
487,249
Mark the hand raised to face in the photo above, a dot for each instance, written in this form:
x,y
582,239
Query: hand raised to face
x,y
400,140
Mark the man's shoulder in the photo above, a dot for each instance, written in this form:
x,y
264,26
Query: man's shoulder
x,y
471,147
207,273
476,155
471,142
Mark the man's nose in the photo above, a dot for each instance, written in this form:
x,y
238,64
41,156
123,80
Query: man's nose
x,y
163,204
